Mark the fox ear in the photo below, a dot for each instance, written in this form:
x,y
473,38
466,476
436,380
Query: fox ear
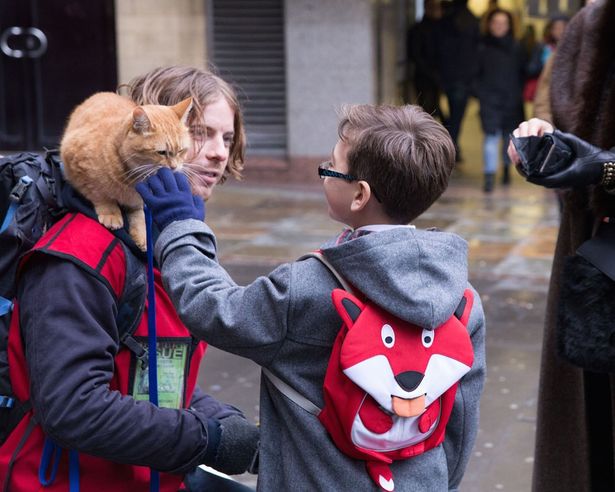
x,y
347,306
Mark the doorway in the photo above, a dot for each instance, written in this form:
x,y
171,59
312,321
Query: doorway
x,y
53,54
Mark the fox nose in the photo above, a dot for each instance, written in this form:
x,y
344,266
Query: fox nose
x,y
409,380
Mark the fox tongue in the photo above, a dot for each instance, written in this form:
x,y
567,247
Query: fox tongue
x,y
408,408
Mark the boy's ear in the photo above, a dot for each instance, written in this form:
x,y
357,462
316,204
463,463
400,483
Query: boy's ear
x,y
361,196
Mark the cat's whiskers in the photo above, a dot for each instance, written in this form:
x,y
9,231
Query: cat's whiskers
x,y
190,173
140,173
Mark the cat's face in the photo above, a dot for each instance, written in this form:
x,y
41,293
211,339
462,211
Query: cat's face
x,y
156,136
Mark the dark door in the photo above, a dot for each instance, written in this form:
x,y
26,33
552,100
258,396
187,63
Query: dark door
x,y
53,54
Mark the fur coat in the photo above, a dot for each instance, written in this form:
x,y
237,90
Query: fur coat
x,y
576,417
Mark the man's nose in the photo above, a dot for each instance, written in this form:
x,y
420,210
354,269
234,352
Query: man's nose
x,y
215,148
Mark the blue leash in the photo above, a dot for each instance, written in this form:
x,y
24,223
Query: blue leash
x,y
154,485
51,456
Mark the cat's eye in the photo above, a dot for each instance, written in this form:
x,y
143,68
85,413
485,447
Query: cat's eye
x,y
163,153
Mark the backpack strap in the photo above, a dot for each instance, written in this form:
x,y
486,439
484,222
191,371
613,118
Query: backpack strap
x,y
288,391
320,257
132,303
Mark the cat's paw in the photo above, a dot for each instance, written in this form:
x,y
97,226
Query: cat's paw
x,y
111,221
139,236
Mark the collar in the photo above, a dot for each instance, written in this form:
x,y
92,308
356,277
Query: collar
x,y
349,234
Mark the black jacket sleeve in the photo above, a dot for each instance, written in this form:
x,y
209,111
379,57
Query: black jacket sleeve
x,y
211,408
69,330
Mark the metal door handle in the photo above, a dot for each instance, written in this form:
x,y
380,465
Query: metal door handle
x,y
33,32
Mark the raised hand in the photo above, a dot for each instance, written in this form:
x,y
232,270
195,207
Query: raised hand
x,y
169,198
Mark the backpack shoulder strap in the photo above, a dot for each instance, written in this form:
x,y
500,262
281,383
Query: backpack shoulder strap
x,y
131,303
320,257
131,296
290,393
284,388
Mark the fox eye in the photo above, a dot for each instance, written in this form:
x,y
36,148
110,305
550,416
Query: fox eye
x,y
388,336
427,338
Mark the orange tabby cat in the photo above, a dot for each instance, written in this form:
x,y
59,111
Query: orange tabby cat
x,y
110,144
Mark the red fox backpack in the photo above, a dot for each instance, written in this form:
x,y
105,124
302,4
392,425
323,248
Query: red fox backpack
x,y
390,386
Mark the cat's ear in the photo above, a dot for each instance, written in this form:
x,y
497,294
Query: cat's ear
x,y
182,110
140,121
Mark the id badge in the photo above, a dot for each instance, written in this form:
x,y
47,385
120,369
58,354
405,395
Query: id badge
x,y
172,362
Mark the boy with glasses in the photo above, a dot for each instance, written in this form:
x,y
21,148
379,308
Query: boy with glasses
x,y
388,166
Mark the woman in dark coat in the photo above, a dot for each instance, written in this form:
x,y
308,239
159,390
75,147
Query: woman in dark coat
x,y
499,88
575,435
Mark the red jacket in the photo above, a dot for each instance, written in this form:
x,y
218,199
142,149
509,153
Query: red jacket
x,y
94,250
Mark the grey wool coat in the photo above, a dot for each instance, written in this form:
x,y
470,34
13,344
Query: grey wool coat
x,y
286,322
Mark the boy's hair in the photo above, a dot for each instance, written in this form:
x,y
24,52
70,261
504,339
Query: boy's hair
x,y
404,154
170,85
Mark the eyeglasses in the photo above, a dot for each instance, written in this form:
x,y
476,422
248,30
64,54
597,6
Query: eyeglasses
x,y
324,171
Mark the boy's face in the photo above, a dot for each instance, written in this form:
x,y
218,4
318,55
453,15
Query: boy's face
x,y
339,192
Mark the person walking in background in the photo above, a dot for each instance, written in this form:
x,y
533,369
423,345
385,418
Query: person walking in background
x,y
499,85
421,50
457,46
540,55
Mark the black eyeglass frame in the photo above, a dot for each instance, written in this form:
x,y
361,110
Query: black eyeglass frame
x,y
327,173
324,172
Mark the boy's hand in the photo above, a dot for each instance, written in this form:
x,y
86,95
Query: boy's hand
x,y
169,198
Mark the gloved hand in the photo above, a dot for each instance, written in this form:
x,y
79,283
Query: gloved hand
x,y
233,445
561,160
169,198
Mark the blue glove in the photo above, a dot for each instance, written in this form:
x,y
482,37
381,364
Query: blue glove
x,y
169,198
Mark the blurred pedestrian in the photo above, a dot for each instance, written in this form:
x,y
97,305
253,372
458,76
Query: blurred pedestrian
x,y
457,47
499,85
540,55
575,434
421,50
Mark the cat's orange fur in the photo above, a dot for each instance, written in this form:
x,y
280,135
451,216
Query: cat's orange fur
x,y
110,144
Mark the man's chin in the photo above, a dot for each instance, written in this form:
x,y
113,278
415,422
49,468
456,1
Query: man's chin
x,y
203,191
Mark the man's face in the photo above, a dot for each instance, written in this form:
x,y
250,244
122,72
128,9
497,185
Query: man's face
x,y
213,137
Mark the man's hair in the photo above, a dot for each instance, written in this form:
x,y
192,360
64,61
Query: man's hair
x,y
404,154
170,85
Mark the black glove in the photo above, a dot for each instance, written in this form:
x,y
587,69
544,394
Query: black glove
x,y
560,160
169,198
233,445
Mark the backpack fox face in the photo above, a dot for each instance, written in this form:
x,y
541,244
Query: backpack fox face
x,y
390,386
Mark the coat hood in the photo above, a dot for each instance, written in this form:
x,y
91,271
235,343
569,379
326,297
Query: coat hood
x,y
416,275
